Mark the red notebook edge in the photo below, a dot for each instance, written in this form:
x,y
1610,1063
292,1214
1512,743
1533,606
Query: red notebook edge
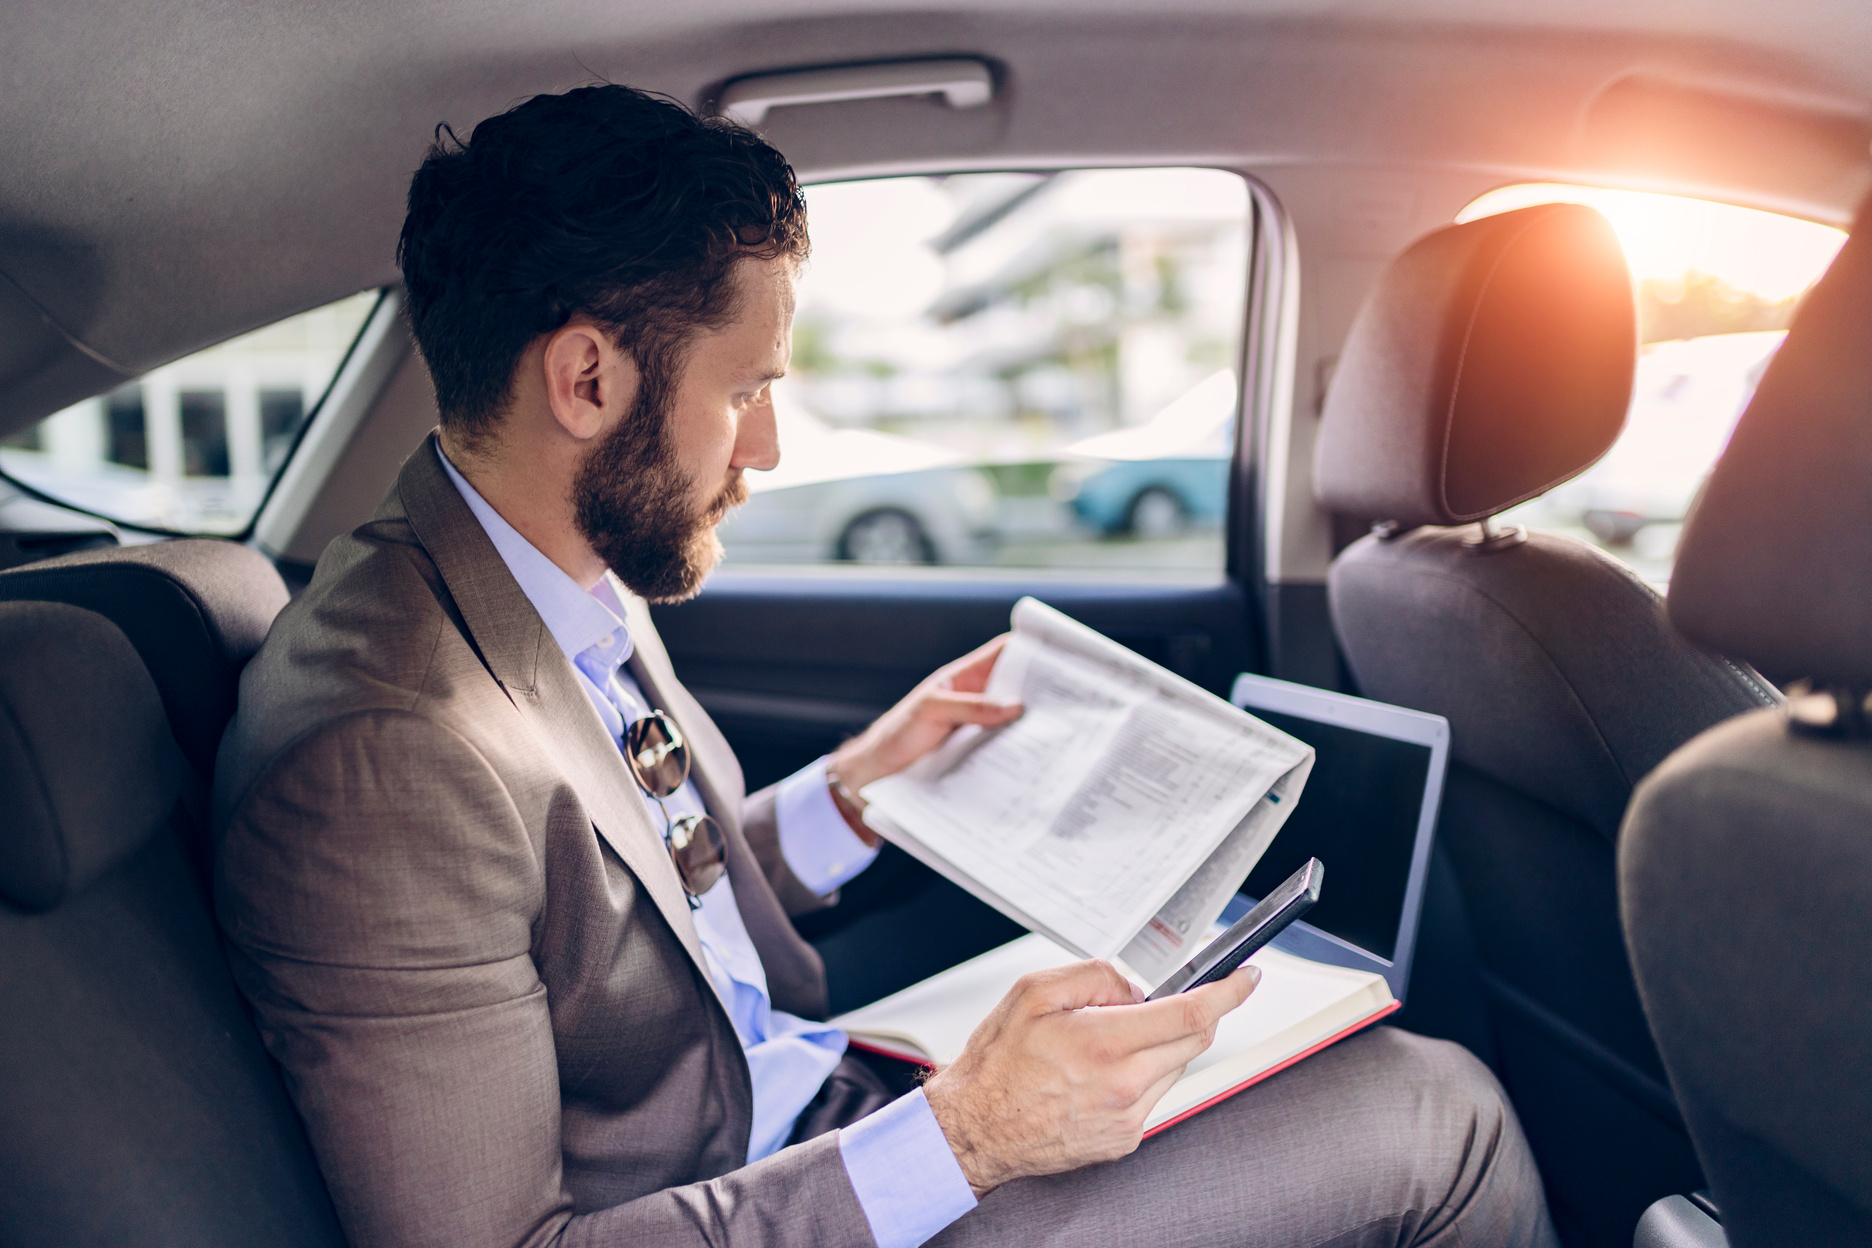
x,y
881,1051
1219,1097
1275,1069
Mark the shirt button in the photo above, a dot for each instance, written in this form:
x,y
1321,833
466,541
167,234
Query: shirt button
x,y
605,642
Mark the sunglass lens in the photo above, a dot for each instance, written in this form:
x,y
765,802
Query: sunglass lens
x,y
699,850
657,754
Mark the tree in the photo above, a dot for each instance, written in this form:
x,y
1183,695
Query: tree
x,y
1701,303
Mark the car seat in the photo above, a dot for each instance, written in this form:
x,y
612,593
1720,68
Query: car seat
x,y
195,610
1745,866
1494,360
137,1105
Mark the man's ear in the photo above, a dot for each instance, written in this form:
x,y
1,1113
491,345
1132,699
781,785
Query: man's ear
x,y
590,383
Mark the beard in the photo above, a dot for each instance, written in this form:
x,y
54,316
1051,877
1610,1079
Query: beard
x,y
633,503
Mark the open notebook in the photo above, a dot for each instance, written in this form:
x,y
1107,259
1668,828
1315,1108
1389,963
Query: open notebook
x,y
1369,813
1299,1007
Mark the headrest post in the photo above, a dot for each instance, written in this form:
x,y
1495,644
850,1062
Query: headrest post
x,y
1834,711
1490,537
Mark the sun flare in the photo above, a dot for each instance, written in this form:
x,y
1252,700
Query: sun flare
x,y
1668,237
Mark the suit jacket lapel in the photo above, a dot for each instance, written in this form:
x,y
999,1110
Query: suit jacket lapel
x,y
794,970
521,654
716,771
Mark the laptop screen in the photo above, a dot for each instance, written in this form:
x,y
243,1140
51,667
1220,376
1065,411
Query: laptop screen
x,y
1359,815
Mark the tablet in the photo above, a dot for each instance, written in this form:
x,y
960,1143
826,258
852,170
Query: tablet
x,y
1368,812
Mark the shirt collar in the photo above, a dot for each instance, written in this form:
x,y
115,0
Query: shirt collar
x,y
584,624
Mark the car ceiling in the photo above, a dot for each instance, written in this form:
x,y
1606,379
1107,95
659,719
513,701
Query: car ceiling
x,y
173,172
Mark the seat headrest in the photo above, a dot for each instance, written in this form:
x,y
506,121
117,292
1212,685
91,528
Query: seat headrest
x,y
86,758
1494,360
1775,563
196,610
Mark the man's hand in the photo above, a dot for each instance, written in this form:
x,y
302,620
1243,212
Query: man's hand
x,y
948,698
1046,1084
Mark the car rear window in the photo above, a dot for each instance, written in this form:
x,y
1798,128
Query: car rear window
x,y
1717,286
1028,370
193,446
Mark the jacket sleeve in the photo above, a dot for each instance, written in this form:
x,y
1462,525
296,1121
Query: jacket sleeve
x,y
380,891
760,823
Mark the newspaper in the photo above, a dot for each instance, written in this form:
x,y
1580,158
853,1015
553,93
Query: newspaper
x,y
1116,816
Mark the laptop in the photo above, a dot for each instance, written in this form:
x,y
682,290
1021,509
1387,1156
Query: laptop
x,y
1368,812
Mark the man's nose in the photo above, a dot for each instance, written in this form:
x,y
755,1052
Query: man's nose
x,y
757,442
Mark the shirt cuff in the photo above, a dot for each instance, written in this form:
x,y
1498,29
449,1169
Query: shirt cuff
x,y
909,1183
817,843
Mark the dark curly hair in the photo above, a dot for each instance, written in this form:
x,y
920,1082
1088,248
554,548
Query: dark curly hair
x,y
606,201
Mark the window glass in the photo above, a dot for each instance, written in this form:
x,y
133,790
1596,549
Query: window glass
x,y
192,445
1717,286
1010,369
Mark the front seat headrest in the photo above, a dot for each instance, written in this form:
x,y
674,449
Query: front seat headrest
x,y
1775,563
86,758
196,610
1494,360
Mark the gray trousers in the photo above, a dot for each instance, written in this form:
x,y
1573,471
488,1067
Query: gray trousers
x,y
1386,1138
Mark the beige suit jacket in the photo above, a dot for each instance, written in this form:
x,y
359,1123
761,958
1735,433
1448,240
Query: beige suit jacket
x,y
460,930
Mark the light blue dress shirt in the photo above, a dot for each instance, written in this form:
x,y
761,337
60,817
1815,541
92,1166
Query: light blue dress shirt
x,y
900,1165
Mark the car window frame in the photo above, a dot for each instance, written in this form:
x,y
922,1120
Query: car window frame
x,y
1265,331
327,398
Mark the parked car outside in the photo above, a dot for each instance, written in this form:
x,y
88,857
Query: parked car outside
x,y
860,496
1161,478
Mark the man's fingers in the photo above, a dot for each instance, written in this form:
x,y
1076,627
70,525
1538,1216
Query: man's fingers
x,y
1156,1091
1137,1085
1231,990
1186,1014
969,674
1181,1051
952,706
1210,1002
1075,987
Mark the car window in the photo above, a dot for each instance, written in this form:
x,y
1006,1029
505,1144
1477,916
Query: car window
x,y
1029,370
192,446
1717,286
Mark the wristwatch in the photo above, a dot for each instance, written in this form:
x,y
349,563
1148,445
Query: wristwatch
x,y
851,806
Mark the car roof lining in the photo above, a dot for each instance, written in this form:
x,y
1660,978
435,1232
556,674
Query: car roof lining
x,y
206,171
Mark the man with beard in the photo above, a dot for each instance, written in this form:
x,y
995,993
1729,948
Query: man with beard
x,y
509,922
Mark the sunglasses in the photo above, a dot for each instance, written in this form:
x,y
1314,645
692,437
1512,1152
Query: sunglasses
x,y
658,757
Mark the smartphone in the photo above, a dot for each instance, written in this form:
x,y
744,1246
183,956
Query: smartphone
x,y
1250,932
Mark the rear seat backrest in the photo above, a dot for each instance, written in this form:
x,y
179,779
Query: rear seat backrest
x,y
137,1105
196,611
1745,868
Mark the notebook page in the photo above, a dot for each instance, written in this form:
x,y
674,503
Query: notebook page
x,y
1297,1005
933,1019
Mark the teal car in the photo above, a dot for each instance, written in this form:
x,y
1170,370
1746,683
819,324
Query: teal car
x,y
1146,497
1161,478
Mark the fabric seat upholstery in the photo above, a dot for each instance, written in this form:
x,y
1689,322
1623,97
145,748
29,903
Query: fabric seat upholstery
x,y
1746,861
196,610
137,1105
1494,360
